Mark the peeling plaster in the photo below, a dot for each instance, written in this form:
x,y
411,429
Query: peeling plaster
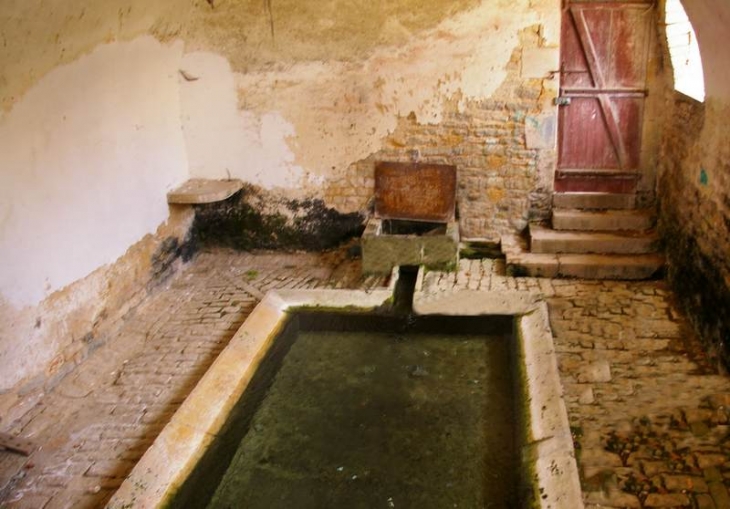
x,y
343,111
222,141
330,114
91,146
37,35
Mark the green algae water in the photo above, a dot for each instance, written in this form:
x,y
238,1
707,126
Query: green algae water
x,y
401,415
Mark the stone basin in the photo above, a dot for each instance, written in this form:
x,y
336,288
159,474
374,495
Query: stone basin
x,y
414,218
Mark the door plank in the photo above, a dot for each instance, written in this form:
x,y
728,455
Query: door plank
x,y
17,444
589,50
617,140
595,66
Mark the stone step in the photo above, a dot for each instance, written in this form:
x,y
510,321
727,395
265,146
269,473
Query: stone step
x,y
603,220
595,181
594,201
544,240
586,266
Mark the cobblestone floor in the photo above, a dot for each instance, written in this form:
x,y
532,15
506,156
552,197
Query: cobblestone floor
x,y
649,416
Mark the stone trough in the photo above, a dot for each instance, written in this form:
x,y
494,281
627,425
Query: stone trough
x,y
414,218
548,471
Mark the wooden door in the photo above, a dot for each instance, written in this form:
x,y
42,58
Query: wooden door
x,y
604,51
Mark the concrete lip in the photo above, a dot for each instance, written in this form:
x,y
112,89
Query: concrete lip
x,y
382,251
547,452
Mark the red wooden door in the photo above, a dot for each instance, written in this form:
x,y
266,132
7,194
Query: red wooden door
x,y
604,51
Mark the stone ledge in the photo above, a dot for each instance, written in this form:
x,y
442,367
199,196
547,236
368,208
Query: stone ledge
x,y
198,191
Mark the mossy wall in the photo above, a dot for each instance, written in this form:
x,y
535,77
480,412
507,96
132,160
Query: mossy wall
x,y
256,219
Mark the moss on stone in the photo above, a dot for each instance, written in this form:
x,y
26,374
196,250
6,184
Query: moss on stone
x,y
253,220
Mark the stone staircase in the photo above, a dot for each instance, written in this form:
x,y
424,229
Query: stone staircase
x,y
593,236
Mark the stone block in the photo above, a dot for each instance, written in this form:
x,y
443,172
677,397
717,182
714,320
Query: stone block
x,y
594,201
667,500
196,191
535,265
545,240
571,219
599,371
685,482
719,494
704,501
381,252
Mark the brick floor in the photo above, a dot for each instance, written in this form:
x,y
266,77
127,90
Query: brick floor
x,y
650,416
101,419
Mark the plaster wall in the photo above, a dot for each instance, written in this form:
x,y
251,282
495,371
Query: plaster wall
x,y
86,156
710,20
36,36
223,141
295,121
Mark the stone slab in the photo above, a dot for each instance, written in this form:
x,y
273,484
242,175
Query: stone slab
x,y
603,220
535,265
544,240
474,303
594,201
198,191
381,252
631,267
586,266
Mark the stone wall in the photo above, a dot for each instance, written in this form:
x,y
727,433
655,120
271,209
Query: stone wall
x,y
469,87
693,185
694,208
502,147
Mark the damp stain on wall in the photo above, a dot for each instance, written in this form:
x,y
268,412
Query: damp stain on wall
x,y
255,219
694,217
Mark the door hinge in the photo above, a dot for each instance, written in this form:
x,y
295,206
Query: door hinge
x,y
562,101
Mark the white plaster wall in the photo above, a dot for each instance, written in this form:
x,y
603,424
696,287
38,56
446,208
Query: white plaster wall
x,y
222,140
85,160
710,19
